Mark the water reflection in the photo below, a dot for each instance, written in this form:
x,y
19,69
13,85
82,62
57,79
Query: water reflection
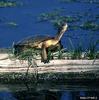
x,y
58,95
5,95
66,95
73,89
49,95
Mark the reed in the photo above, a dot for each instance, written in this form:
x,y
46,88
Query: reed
x,y
91,50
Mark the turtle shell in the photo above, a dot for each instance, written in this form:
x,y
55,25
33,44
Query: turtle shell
x,y
33,40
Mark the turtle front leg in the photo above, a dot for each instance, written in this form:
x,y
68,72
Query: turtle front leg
x,y
44,57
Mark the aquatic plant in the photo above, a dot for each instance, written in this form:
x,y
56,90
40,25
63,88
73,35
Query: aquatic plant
x,y
55,17
89,25
97,55
25,54
60,55
48,16
77,53
97,16
67,18
13,24
7,3
91,50
80,1
68,1
60,19
91,1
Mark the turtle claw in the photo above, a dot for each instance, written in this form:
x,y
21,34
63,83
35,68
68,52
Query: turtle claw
x,y
45,61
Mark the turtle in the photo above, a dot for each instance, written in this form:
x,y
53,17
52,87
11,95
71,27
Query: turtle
x,y
44,43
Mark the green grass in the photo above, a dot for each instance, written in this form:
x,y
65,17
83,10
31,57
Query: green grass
x,y
77,53
91,51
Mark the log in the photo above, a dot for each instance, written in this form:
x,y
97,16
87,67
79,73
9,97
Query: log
x,y
59,65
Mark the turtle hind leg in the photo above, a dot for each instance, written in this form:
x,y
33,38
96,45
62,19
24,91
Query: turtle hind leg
x,y
45,61
49,56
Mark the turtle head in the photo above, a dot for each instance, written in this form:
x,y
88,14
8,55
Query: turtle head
x,y
64,26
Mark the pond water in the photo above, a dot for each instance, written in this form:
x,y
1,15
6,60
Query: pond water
x,y
47,92
23,20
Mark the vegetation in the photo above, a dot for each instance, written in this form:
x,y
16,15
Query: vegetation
x,y
89,25
14,24
48,16
92,52
46,77
55,18
29,56
80,1
76,53
4,3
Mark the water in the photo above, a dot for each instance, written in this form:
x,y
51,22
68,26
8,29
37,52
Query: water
x,y
48,92
4,95
25,16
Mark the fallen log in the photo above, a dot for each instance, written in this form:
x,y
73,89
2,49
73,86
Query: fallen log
x,y
61,65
